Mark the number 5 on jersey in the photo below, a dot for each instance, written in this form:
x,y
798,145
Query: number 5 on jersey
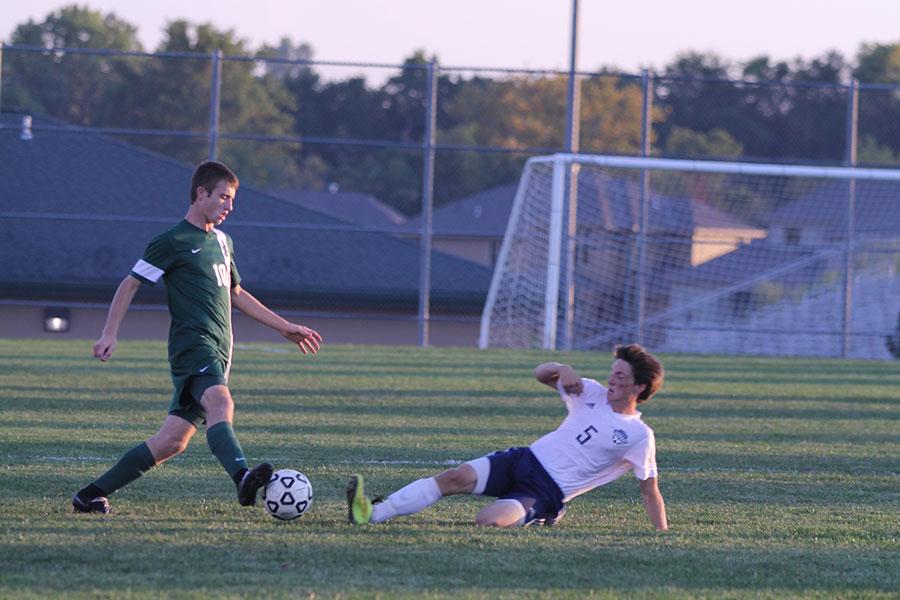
x,y
584,437
223,276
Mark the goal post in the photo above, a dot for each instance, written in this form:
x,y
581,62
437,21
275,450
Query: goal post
x,y
698,256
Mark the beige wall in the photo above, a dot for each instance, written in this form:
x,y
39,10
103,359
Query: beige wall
x,y
480,250
710,243
18,322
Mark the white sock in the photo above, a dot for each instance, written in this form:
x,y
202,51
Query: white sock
x,y
412,498
482,468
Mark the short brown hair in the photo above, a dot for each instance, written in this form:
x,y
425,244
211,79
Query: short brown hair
x,y
208,174
646,369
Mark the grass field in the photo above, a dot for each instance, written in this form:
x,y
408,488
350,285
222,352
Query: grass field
x,y
780,477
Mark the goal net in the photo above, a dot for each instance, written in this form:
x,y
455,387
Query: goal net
x,y
698,256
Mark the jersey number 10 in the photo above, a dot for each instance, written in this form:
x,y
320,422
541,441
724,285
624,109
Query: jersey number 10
x,y
223,277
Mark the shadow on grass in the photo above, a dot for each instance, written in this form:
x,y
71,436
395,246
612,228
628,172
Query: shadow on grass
x,y
785,462
861,439
431,560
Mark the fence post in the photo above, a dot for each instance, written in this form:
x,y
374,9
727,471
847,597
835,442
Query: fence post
x,y
849,251
2,44
428,143
646,129
573,105
215,91
561,167
570,205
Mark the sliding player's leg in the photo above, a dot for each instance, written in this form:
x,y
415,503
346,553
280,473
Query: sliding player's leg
x,y
416,496
526,493
506,512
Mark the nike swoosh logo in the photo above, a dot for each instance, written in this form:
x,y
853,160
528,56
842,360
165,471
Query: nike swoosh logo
x,y
195,250
203,369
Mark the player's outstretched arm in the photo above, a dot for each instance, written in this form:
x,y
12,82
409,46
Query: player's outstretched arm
x,y
109,338
653,502
551,373
307,340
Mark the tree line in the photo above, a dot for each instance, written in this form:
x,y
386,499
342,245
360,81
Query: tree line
x,y
704,106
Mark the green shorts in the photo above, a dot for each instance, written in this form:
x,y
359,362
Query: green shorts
x,y
189,388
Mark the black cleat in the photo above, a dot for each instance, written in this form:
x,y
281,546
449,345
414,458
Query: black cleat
x,y
548,521
556,519
100,504
250,483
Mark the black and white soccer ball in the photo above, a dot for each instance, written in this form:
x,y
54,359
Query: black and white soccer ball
x,y
288,494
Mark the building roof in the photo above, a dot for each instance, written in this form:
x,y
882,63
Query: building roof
x,y
615,203
79,208
756,259
825,207
610,203
351,207
484,213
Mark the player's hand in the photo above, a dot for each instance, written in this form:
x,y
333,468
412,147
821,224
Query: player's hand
x,y
104,347
569,381
308,340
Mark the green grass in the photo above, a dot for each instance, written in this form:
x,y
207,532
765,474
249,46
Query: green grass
x,y
780,477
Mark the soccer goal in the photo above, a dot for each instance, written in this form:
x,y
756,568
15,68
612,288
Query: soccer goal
x,y
698,256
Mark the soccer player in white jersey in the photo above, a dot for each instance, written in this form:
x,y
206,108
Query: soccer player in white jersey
x,y
601,438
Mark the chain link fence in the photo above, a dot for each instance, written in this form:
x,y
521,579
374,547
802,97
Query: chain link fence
x,y
382,190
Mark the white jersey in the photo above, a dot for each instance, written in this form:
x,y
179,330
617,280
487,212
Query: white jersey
x,y
595,445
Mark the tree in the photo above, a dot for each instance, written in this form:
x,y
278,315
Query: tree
x,y
686,143
530,112
286,50
733,194
871,152
803,106
878,63
349,110
73,87
879,109
175,95
156,92
775,110
690,99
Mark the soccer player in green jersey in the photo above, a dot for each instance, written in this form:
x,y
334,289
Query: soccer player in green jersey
x,y
196,260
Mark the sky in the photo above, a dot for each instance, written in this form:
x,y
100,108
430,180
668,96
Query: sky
x,y
513,34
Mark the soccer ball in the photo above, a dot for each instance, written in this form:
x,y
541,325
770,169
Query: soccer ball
x,y
288,494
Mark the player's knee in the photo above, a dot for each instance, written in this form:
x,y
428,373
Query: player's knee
x,y
486,521
217,401
178,446
494,520
168,446
455,481
457,477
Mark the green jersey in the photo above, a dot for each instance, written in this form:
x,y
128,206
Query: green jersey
x,y
199,271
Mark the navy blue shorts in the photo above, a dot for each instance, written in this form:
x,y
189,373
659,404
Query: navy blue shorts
x,y
516,474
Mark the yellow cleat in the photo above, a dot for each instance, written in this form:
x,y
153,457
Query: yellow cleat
x,y
359,507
